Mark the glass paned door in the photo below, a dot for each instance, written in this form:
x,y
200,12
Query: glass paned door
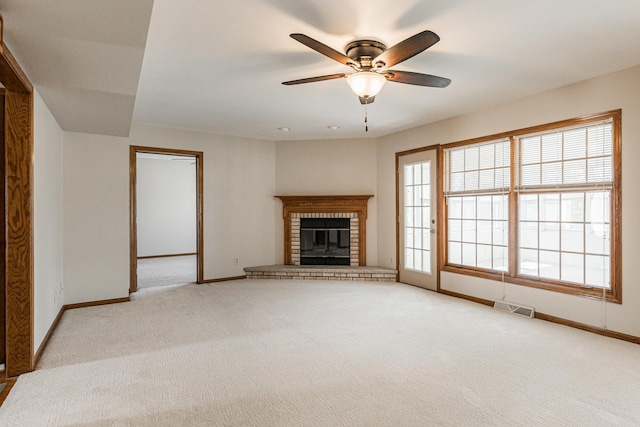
x,y
417,218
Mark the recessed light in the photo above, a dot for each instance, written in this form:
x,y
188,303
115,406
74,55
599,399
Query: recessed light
x,y
333,127
284,129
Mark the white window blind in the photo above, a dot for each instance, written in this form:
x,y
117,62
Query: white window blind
x,y
579,158
478,169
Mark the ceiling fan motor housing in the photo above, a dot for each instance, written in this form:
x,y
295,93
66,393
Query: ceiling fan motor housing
x,y
364,51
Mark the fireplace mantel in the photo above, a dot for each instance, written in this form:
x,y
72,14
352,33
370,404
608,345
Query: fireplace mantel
x,y
347,204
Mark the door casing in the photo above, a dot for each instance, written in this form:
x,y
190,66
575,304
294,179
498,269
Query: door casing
x,y
133,215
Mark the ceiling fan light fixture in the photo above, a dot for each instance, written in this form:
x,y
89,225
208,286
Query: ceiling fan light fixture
x,y
366,84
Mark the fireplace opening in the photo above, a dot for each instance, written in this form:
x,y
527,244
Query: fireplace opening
x,y
325,241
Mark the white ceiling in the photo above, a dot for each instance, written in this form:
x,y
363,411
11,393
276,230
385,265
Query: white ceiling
x,y
83,56
217,66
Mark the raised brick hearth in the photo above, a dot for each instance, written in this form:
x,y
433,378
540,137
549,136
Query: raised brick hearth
x,y
320,272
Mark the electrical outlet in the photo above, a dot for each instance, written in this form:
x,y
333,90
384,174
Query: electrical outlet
x,y
236,261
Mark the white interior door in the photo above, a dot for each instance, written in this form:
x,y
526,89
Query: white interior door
x,y
418,218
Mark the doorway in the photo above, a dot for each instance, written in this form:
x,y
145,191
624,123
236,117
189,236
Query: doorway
x,y
166,217
417,218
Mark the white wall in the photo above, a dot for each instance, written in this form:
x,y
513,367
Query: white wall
x,y
166,205
605,93
47,176
239,208
336,167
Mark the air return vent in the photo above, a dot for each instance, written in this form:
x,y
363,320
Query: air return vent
x,y
510,307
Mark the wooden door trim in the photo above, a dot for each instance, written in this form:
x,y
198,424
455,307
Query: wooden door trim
x,y
133,229
3,239
439,184
11,74
17,215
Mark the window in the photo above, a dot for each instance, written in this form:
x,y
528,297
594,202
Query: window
x,y
417,216
477,190
538,207
564,235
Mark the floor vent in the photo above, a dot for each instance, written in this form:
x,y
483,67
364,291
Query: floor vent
x,y
510,307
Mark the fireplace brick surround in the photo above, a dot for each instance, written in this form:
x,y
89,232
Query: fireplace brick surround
x,y
294,208
353,207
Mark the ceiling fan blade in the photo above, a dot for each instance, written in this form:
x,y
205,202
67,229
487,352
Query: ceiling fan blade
x,y
367,101
406,49
417,79
324,49
314,79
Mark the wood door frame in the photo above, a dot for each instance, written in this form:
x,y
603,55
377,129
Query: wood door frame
x,y
439,219
133,211
17,223
3,240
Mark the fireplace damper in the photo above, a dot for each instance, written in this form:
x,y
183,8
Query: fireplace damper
x,y
325,241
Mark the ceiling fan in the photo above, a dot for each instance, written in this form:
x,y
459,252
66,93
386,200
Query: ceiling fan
x,y
371,60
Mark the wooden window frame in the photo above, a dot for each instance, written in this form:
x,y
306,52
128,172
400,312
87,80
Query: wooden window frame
x,y
614,294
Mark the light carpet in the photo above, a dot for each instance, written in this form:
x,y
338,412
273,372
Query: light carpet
x,y
314,353
166,271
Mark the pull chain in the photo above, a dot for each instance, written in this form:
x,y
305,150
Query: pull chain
x,y
366,124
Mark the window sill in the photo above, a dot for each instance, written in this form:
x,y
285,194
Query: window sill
x,y
591,293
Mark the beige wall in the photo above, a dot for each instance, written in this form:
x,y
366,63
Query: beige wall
x,y
47,207
239,208
331,167
242,176
609,92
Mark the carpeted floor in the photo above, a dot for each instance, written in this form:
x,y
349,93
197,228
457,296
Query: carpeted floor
x,y
166,271
314,353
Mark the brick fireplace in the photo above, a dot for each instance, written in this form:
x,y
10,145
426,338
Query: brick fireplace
x,y
353,207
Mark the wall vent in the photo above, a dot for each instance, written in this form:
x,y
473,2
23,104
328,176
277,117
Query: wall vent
x,y
510,307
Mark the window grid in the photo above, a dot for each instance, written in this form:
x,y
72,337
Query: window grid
x,y
417,217
590,273
489,231
587,165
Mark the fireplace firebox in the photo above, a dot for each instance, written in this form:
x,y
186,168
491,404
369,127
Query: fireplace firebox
x,y
325,241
